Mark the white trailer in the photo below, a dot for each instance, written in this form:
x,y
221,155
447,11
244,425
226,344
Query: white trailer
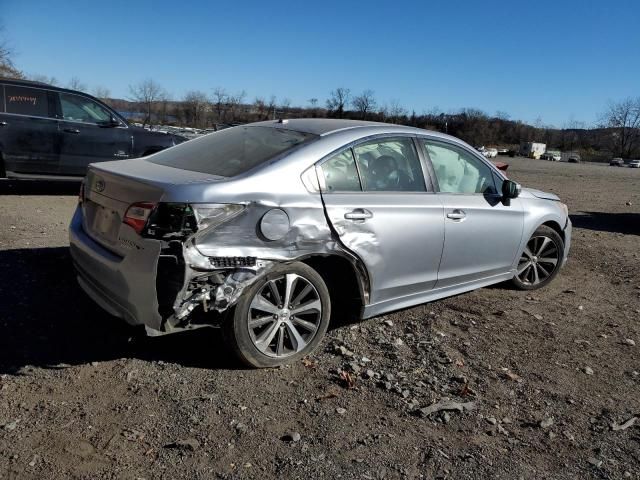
x,y
532,149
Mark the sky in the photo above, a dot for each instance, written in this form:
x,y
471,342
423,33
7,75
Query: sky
x,y
553,62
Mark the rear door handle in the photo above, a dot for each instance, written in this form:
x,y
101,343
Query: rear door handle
x,y
358,214
457,214
3,124
72,130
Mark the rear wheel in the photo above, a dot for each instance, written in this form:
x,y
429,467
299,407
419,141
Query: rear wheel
x,y
540,261
280,318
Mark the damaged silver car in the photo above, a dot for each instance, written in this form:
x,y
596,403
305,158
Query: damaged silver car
x,y
267,230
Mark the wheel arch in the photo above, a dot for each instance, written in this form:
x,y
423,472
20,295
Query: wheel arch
x,y
346,280
555,226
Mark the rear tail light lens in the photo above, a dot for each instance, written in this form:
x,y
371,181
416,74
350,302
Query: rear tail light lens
x,y
81,192
138,214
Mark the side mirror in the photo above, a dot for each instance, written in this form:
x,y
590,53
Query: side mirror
x,y
114,122
510,189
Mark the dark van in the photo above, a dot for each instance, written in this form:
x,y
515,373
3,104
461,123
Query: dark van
x,y
47,131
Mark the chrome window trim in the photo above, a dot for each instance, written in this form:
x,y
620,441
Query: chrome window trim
x,y
55,119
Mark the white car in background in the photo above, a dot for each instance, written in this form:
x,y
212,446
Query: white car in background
x,y
551,155
634,164
488,152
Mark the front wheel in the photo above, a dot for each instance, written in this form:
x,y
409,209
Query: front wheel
x,y
280,318
541,259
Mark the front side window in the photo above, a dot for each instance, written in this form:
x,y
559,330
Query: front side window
x,y
26,101
80,109
458,171
232,151
340,173
389,165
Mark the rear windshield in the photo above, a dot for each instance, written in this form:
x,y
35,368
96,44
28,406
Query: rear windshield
x,y
232,151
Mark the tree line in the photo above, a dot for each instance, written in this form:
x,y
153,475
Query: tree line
x,y
616,134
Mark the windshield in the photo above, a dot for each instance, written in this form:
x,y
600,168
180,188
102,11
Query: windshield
x,y
232,151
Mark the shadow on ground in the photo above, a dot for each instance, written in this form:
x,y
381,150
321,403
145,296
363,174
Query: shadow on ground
x,y
627,223
39,187
47,320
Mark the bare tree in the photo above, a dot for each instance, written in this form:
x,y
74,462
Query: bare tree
x,y
314,106
7,68
396,111
623,118
271,107
364,103
220,102
76,84
285,105
147,94
103,93
338,100
234,103
36,77
260,107
194,106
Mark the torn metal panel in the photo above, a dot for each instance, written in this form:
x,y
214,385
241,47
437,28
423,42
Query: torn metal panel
x,y
221,262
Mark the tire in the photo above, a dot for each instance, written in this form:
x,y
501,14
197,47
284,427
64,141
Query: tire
x,y
260,345
531,273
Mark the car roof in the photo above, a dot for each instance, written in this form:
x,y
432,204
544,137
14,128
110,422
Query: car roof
x,y
35,84
328,126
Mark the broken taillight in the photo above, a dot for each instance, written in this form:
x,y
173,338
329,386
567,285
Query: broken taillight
x,y
138,214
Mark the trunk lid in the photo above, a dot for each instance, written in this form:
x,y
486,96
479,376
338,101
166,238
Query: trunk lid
x,y
111,187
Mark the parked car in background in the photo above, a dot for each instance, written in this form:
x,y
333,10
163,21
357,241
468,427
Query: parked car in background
x,y
616,162
266,229
488,152
573,158
634,164
54,132
551,155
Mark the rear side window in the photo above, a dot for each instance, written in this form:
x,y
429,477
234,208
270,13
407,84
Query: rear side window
x,y
232,151
389,165
26,101
340,173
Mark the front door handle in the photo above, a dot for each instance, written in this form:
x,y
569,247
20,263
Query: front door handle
x,y
358,214
3,124
72,130
457,214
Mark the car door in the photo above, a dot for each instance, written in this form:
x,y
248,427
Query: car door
x,y
29,141
89,135
482,232
378,201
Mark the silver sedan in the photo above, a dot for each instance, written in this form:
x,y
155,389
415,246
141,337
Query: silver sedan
x,y
271,229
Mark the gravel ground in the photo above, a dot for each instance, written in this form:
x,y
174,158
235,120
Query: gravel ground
x,y
540,384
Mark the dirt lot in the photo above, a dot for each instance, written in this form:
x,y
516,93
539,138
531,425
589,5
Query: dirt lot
x,y
551,376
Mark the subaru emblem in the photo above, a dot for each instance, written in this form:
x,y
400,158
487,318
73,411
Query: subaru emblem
x,y
99,186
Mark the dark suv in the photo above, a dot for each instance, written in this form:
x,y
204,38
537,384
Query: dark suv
x,y
50,131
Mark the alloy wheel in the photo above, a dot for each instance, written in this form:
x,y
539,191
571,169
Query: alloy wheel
x,y
284,315
539,260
